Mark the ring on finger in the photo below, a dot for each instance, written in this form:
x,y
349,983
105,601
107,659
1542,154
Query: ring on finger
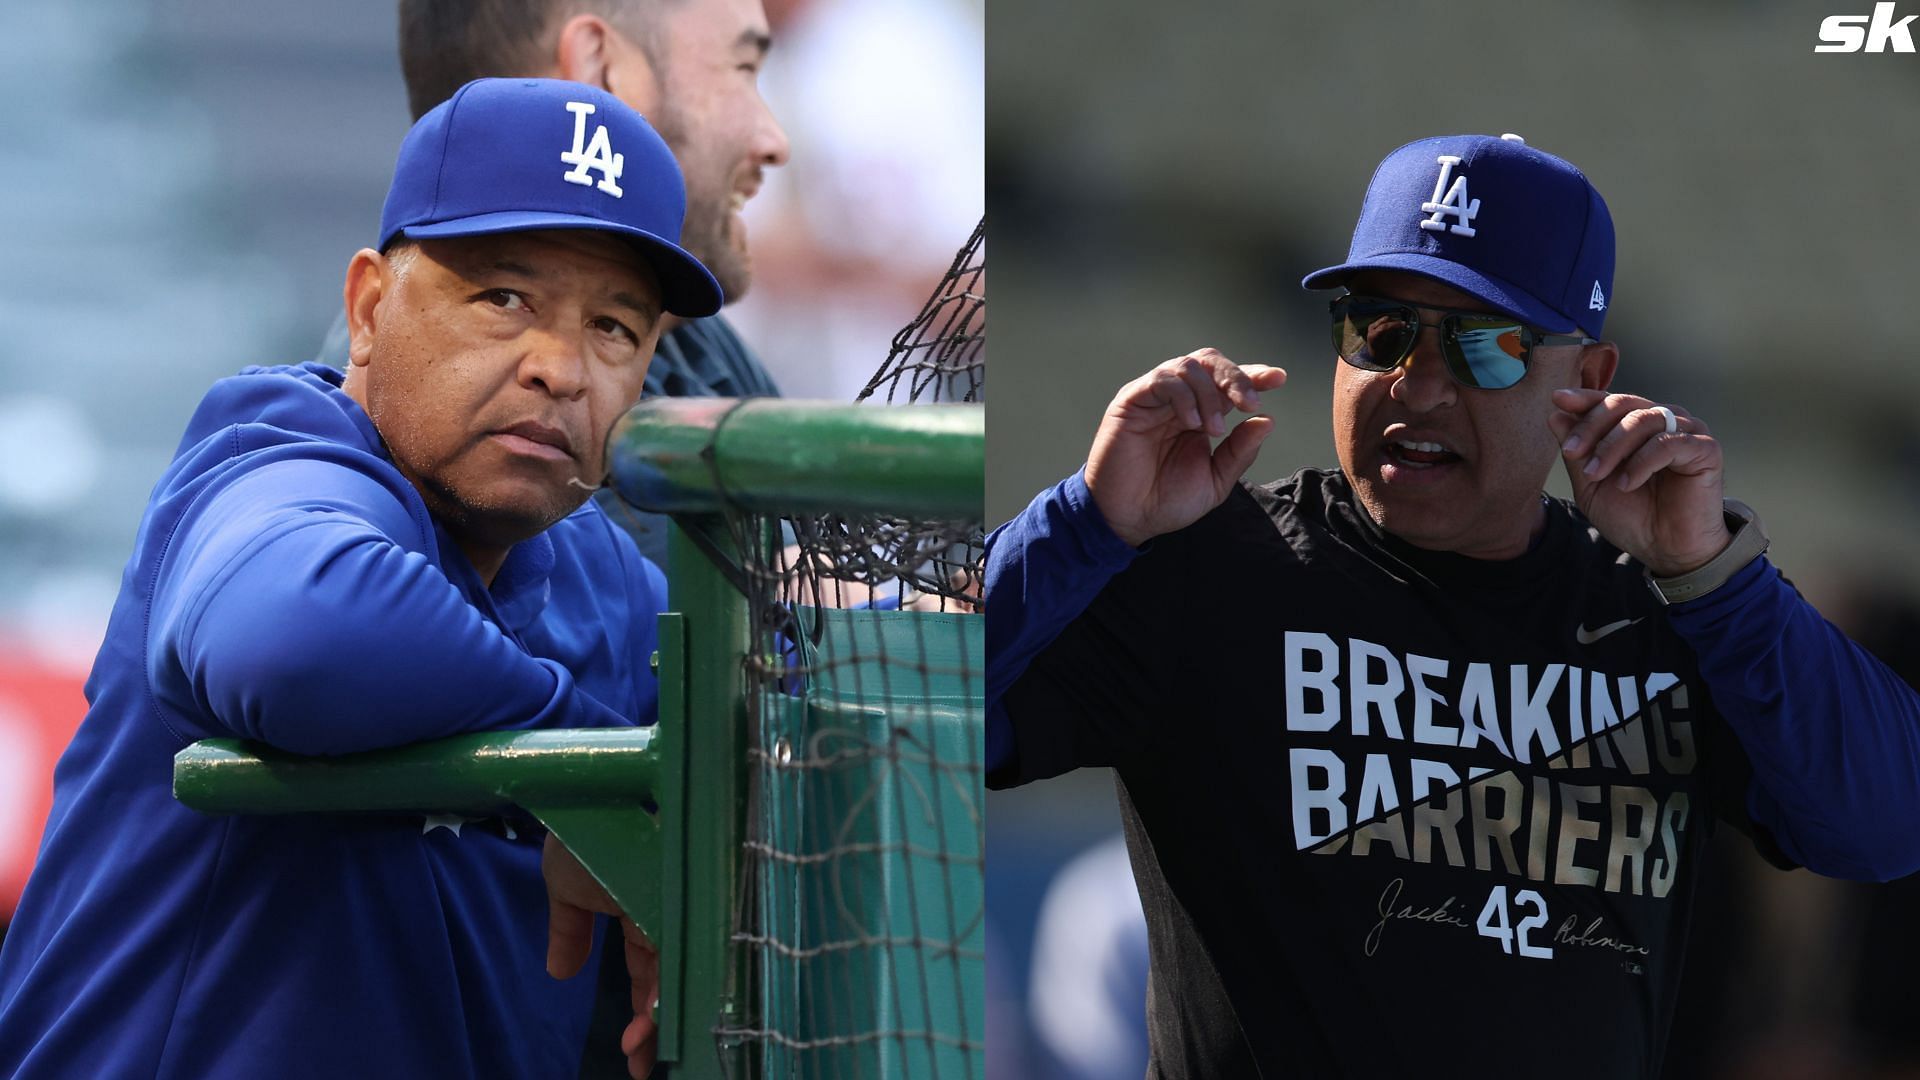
x,y
1673,422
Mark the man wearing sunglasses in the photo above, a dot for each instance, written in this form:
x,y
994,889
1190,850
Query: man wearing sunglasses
x,y
1415,768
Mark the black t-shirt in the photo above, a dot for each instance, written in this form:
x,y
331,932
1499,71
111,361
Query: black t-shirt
x,y
1391,811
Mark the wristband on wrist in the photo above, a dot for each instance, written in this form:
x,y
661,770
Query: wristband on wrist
x,y
1749,543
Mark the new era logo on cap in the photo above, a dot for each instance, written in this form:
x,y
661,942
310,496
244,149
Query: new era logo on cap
x,y
1515,227
513,155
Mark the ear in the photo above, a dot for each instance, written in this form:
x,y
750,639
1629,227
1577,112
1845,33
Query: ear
x,y
1598,362
367,283
580,54
591,51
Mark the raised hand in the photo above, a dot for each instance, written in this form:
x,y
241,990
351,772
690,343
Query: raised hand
x,y
1655,494
1153,467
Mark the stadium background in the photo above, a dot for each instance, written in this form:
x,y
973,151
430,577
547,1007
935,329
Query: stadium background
x,y
182,183
1163,175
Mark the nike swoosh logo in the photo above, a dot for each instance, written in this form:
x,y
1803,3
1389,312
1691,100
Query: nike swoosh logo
x,y
1587,637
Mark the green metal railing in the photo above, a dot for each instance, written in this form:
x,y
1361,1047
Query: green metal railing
x,y
588,786
790,457
675,869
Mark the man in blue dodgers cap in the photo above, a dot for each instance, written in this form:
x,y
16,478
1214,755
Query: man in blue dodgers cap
x,y
337,562
692,68
1431,796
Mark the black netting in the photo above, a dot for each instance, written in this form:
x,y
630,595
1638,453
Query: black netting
x,y
942,354
860,917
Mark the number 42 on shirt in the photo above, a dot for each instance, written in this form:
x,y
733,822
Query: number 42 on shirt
x,y
1493,921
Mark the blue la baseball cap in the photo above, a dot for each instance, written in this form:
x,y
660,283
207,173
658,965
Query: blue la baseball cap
x,y
511,155
1518,228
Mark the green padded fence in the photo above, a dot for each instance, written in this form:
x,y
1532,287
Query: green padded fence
x,y
857,943
813,868
872,883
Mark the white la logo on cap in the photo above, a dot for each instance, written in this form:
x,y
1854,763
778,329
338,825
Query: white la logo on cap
x,y
597,154
1454,201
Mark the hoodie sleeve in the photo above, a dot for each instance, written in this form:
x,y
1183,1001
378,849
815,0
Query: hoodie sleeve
x,y
298,606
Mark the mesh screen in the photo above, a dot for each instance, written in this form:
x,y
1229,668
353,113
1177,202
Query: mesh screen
x,y
941,354
859,923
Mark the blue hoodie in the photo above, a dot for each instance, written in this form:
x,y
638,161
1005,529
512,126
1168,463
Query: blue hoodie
x,y
288,586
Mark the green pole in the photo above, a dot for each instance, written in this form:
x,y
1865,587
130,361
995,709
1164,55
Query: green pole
x,y
692,455
467,774
713,792
590,787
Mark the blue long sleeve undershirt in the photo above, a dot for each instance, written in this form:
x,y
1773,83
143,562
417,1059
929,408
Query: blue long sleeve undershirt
x,y
1833,734
1043,567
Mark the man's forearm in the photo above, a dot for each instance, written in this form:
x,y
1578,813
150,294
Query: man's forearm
x,y
318,627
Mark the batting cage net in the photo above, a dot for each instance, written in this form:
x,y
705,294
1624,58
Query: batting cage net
x,y
859,922
941,355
